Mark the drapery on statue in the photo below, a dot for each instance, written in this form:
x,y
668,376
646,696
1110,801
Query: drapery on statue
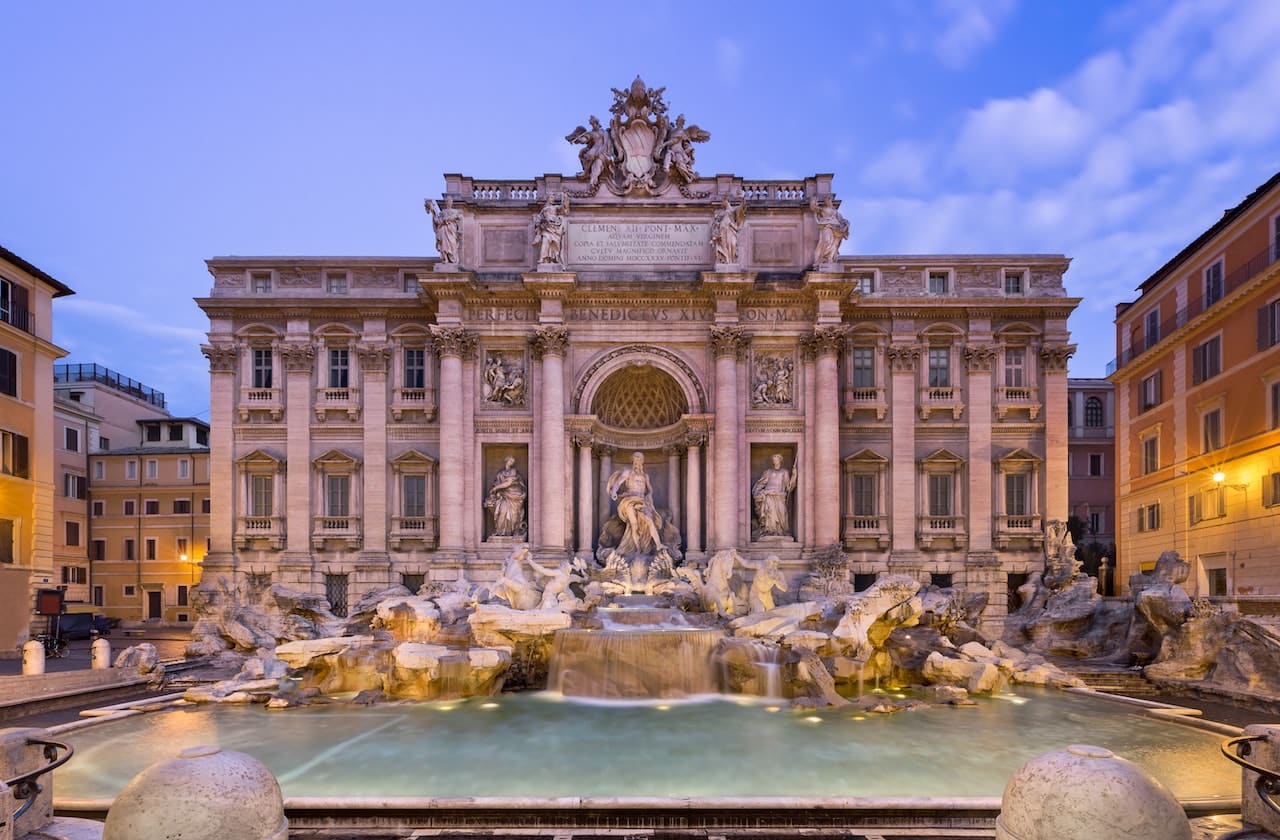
x,y
631,489
513,585
506,500
833,229
767,579
676,149
597,153
447,222
725,225
549,227
771,494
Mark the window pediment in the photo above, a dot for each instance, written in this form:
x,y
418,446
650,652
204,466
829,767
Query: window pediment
x,y
336,459
942,458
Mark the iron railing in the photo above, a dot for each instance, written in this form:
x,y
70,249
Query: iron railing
x,y
1268,782
98,373
26,787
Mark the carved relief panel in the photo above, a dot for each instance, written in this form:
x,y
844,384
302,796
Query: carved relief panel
x,y
773,379
503,378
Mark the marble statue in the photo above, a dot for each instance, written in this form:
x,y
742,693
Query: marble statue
x,y
549,227
713,586
514,586
677,149
725,225
503,382
447,222
506,499
555,592
772,385
631,489
771,494
833,229
767,578
639,545
596,156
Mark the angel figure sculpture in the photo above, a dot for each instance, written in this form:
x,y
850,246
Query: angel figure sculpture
x,y
677,149
597,150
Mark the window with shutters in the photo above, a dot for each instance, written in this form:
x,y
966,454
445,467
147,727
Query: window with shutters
x,y
1150,454
1271,489
15,307
70,439
1149,517
1151,393
1213,284
1211,430
1269,325
7,533
1206,360
8,373
13,455
1151,329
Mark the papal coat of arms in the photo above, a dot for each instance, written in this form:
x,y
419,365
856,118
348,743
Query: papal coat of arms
x,y
641,152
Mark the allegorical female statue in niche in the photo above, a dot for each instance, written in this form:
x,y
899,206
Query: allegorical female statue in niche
x,y
771,494
506,500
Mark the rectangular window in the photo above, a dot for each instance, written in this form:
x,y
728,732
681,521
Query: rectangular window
x,y
184,468
98,550
864,367
261,282
1217,581
940,495
70,439
1015,495
1269,325
15,305
6,541
1095,522
1206,360
262,367
337,488
1149,517
202,436
1150,455
73,533
104,443
75,574
99,471
175,432
205,507
151,548
182,595
131,470
337,282
939,367
1095,463
1151,329
74,486
938,282
1013,283
864,284
338,367
1014,364
1211,430
99,595
415,495
130,548
412,581
1151,392
151,507
1271,490
1213,284
99,507
153,468
13,454
153,433
415,367
182,506
335,590
864,495
129,591
8,373
260,496
183,546
129,507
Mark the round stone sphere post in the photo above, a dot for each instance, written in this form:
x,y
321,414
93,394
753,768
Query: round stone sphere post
x,y
100,655
33,658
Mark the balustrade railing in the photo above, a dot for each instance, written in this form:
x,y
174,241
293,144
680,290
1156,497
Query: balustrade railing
x,y
774,191
516,191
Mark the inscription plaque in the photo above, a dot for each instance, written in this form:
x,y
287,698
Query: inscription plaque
x,y
638,243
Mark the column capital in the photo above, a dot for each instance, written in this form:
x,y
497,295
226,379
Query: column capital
x,y
453,341
297,357
980,357
903,358
374,357
549,341
222,357
1054,357
582,440
695,439
729,341
824,341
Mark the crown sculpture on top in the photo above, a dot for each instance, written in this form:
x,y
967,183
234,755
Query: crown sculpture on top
x,y
641,152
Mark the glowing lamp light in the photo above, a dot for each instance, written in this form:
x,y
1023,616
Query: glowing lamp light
x,y
1219,477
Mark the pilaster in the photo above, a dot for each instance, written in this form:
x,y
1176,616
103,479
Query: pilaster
x,y
298,358
549,346
452,344
903,359
1053,361
980,360
827,342
375,357
728,344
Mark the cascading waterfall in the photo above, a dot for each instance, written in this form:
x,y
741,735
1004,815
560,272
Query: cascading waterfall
x,y
637,663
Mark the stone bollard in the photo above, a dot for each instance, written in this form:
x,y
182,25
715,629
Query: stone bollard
x,y
100,656
1264,754
1087,793
33,657
206,793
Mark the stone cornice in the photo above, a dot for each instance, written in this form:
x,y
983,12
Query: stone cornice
x,y
550,285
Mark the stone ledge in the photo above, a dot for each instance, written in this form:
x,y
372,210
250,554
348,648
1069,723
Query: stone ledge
x,y
23,689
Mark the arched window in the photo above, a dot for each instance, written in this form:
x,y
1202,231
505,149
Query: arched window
x,y
1093,412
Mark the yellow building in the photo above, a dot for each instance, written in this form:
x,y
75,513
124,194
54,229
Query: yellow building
x,y
27,353
149,519
1198,407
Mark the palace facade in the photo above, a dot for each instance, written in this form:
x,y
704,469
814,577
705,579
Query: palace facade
x,y
382,420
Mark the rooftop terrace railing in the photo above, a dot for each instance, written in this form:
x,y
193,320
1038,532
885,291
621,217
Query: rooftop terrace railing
x,y
1199,304
97,373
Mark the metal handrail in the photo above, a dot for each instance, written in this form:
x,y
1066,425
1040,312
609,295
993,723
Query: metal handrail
x,y
25,787
1268,782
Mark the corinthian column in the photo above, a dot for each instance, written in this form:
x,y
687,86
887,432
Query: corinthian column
x,y
452,344
827,342
549,345
1053,360
727,343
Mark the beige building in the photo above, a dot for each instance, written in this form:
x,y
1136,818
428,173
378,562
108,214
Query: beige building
x,y
1198,406
27,479
384,420
149,504
1091,465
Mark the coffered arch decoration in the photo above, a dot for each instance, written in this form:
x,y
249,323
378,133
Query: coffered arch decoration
x,y
639,397
643,361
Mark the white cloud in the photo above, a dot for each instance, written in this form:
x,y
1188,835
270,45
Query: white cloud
x,y
729,60
968,27
1008,137
135,322
903,164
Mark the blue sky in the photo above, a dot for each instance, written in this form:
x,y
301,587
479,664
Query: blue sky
x,y
142,138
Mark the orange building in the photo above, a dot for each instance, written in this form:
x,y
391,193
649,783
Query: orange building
x,y
1197,381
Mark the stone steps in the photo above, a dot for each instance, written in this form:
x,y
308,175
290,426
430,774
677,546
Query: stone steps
x,y
1114,681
